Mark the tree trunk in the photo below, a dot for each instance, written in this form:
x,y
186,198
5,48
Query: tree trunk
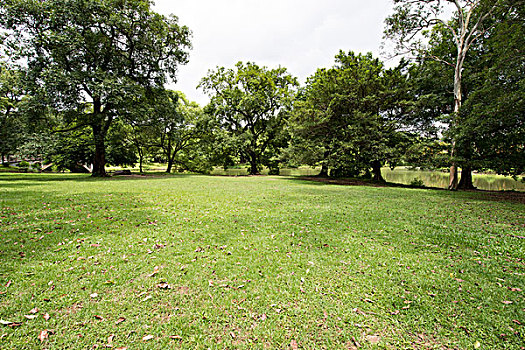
x,y
254,170
170,165
324,165
466,182
100,129
453,178
99,161
324,170
376,170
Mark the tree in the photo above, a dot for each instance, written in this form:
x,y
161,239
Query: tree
x,y
11,124
350,118
412,21
251,103
492,128
90,58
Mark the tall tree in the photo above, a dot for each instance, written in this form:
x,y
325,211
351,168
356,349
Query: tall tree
x,y
492,128
413,20
251,103
11,124
91,57
350,118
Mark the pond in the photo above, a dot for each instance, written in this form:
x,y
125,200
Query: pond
x,y
405,176
440,179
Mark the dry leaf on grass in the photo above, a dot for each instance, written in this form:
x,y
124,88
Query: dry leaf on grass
x,y
120,320
147,337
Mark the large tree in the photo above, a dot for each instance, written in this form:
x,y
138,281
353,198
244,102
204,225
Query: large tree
x,y
11,124
413,21
351,118
251,103
90,58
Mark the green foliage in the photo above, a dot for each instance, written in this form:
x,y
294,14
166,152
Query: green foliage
x,y
91,60
11,123
417,182
491,133
349,117
250,104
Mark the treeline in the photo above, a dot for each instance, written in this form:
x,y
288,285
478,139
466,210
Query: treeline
x,y
82,82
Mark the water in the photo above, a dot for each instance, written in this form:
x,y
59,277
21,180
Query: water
x,y
441,179
404,176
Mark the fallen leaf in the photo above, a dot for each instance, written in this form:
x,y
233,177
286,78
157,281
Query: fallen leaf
x,y
155,271
15,324
43,335
477,345
46,317
293,345
147,298
5,323
147,337
122,348
34,311
163,285
94,295
515,289
516,322
8,284
373,339
175,337
507,302
120,320
30,317
98,317
110,338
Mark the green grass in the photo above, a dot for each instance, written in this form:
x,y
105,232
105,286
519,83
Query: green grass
x,y
256,262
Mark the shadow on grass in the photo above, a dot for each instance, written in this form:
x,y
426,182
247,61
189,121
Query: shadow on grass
x,y
480,195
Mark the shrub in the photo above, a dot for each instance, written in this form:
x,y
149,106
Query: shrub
x,y
23,166
417,182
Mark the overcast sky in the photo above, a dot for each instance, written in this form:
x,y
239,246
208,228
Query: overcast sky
x,y
301,35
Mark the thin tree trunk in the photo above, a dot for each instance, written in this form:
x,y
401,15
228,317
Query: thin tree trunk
x,y
453,178
376,170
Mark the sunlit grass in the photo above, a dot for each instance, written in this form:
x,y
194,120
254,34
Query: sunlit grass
x,y
256,262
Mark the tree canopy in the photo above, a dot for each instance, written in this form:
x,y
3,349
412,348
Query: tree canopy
x,y
251,103
91,59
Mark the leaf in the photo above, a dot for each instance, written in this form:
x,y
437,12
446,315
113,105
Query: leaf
x,y
178,337
155,271
43,335
30,317
293,345
34,311
120,320
507,302
6,323
98,317
477,345
147,298
94,295
163,285
373,339
110,338
147,337
46,317
122,348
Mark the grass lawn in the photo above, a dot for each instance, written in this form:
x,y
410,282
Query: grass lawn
x,y
200,262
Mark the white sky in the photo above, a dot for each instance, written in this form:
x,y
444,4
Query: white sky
x,y
301,35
